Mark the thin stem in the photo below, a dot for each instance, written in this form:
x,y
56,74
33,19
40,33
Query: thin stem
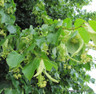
x,y
73,28
73,59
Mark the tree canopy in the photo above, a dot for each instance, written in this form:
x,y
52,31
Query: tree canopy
x,y
44,47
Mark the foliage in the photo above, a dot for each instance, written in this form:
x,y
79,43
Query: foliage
x,y
56,9
48,57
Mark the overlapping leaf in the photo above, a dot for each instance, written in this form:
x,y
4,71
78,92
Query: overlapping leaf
x,y
30,68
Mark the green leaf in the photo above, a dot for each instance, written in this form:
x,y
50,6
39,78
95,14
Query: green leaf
x,y
30,48
92,24
4,84
67,23
44,27
87,66
84,34
74,34
1,91
3,40
53,37
40,41
8,91
50,64
4,17
15,83
59,23
11,29
30,68
54,51
91,32
72,48
92,80
93,37
87,77
32,30
14,59
78,22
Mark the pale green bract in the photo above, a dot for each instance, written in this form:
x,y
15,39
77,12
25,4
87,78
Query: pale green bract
x,y
40,68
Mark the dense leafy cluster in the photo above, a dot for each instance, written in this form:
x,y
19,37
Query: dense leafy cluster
x,y
56,9
51,55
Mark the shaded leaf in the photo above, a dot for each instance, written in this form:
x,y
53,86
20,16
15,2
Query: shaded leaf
x,y
30,48
49,64
53,37
8,91
92,80
3,40
30,68
72,48
87,66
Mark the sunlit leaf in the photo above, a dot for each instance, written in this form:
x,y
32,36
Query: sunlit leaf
x,y
92,33
67,23
14,59
79,22
84,34
92,24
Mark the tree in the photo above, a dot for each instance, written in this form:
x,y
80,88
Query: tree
x,y
56,9
43,48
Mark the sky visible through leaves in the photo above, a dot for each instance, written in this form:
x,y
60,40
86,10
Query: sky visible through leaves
x,y
92,8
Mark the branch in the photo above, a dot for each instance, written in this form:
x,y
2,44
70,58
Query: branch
x,y
74,27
